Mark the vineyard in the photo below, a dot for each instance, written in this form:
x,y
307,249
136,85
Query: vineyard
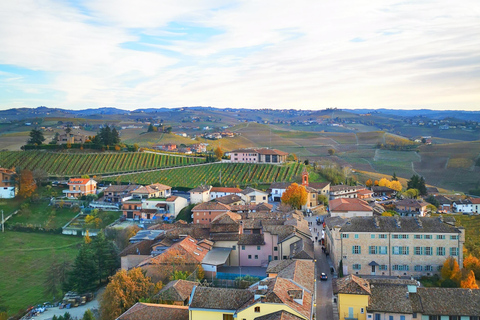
x,y
232,174
75,164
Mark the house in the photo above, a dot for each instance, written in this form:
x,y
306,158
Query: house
x,y
445,204
258,156
135,253
364,194
411,207
380,298
254,196
230,200
80,187
344,191
71,138
7,184
119,193
217,192
176,292
163,207
199,147
349,207
277,189
155,190
323,188
200,194
471,205
393,246
206,212
151,311
382,191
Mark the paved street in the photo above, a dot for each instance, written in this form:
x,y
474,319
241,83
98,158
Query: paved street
x,y
324,309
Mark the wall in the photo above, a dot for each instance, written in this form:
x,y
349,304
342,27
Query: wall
x,y
234,254
7,192
355,301
265,308
208,315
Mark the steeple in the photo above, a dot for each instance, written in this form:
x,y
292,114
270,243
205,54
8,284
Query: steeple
x,y
305,177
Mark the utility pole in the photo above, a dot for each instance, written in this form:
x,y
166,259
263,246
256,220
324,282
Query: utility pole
x,y
3,223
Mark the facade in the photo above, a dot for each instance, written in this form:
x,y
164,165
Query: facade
x,y
7,185
393,246
206,212
119,193
382,191
254,196
471,205
200,194
344,191
277,189
349,207
258,156
153,208
80,187
155,190
217,192
71,138
412,207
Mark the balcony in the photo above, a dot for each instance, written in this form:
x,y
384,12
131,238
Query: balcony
x,y
350,316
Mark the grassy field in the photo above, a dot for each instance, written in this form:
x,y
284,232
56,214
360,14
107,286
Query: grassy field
x,y
76,164
472,230
25,258
232,174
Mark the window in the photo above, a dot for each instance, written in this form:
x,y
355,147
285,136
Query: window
x,y
417,268
345,236
377,316
249,256
382,236
390,317
454,251
427,236
418,251
372,250
256,256
356,236
440,237
356,250
400,267
275,248
401,250
258,247
402,317
234,247
453,237
440,251
362,311
275,258
243,247
284,257
383,267
257,309
356,266
227,316
372,236
414,315
428,268
428,251
383,249
418,236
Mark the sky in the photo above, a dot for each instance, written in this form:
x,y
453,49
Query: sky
x,y
303,54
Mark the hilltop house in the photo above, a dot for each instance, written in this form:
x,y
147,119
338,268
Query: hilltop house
x,y
7,184
71,138
471,205
258,156
80,187
344,191
153,208
217,192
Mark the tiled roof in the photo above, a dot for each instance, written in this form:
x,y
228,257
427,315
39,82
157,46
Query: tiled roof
x,y
122,188
300,271
224,236
227,218
262,151
252,224
280,185
228,199
351,284
220,298
475,200
202,188
302,249
279,315
250,190
225,190
177,290
389,298
318,185
78,181
210,206
392,224
140,248
282,231
364,191
450,301
413,203
251,239
382,189
349,204
443,200
141,311
264,207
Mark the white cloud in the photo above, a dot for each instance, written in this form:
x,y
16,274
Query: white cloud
x,y
311,54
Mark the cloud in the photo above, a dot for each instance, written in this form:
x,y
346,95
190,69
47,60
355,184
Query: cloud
x,y
304,54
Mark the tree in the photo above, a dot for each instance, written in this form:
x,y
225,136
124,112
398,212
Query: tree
x,y
36,137
150,128
375,183
88,315
83,277
87,238
451,270
295,195
200,272
106,257
396,185
218,153
323,199
411,193
384,182
369,183
68,130
431,208
331,152
468,281
431,199
123,291
135,147
27,184
417,182
292,157
394,177
472,263
40,176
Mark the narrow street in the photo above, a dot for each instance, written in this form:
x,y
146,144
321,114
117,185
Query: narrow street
x,y
324,301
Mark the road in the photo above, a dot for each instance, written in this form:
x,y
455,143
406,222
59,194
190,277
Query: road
x,y
324,310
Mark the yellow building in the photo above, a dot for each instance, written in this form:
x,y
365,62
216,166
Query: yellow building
x,y
353,294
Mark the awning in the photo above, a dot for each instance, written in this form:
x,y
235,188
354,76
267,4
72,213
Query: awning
x,y
373,263
217,256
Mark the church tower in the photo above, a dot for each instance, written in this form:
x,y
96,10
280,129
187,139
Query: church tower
x,y
305,177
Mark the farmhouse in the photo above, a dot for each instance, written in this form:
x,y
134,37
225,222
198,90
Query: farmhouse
x,y
7,185
80,187
71,138
258,156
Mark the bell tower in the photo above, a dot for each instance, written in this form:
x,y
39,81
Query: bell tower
x,y
305,177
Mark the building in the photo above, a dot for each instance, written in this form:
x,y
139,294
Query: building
x,y
258,156
176,292
153,208
349,207
7,184
382,191
155,190
411,207
471,205
206,212
152,311
344,191
80,187
254,196
200,194
398,299
217,192
393,246
119,193
71,138
277,189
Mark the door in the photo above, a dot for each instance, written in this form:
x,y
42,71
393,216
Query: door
x,y
373,270
350,312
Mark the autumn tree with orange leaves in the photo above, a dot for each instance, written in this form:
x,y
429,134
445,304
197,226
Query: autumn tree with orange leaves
x,y
27,184
472,263
468,280
124,290
295,195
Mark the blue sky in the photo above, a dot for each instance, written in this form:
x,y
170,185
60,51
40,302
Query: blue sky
x,y
306,54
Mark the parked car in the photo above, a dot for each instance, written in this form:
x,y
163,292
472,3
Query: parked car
x,y
323,276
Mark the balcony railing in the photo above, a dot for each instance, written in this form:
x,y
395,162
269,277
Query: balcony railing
x,y
349,316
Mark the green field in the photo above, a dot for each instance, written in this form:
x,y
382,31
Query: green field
x,y
25,258
232,174
472,231
76,164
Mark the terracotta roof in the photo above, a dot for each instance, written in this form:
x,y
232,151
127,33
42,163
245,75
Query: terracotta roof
x,y
122,188
300,271
413,203
201,188
152,188
227,218
279,315
351,284
251,239
140,248
228,199
250,190
226,190
219,298
178,290
264,207
392,224
365,191
390,298
78,181
475,200
211,206
141,311
224,236
349,204
450,301
272,151
302,249
282,231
